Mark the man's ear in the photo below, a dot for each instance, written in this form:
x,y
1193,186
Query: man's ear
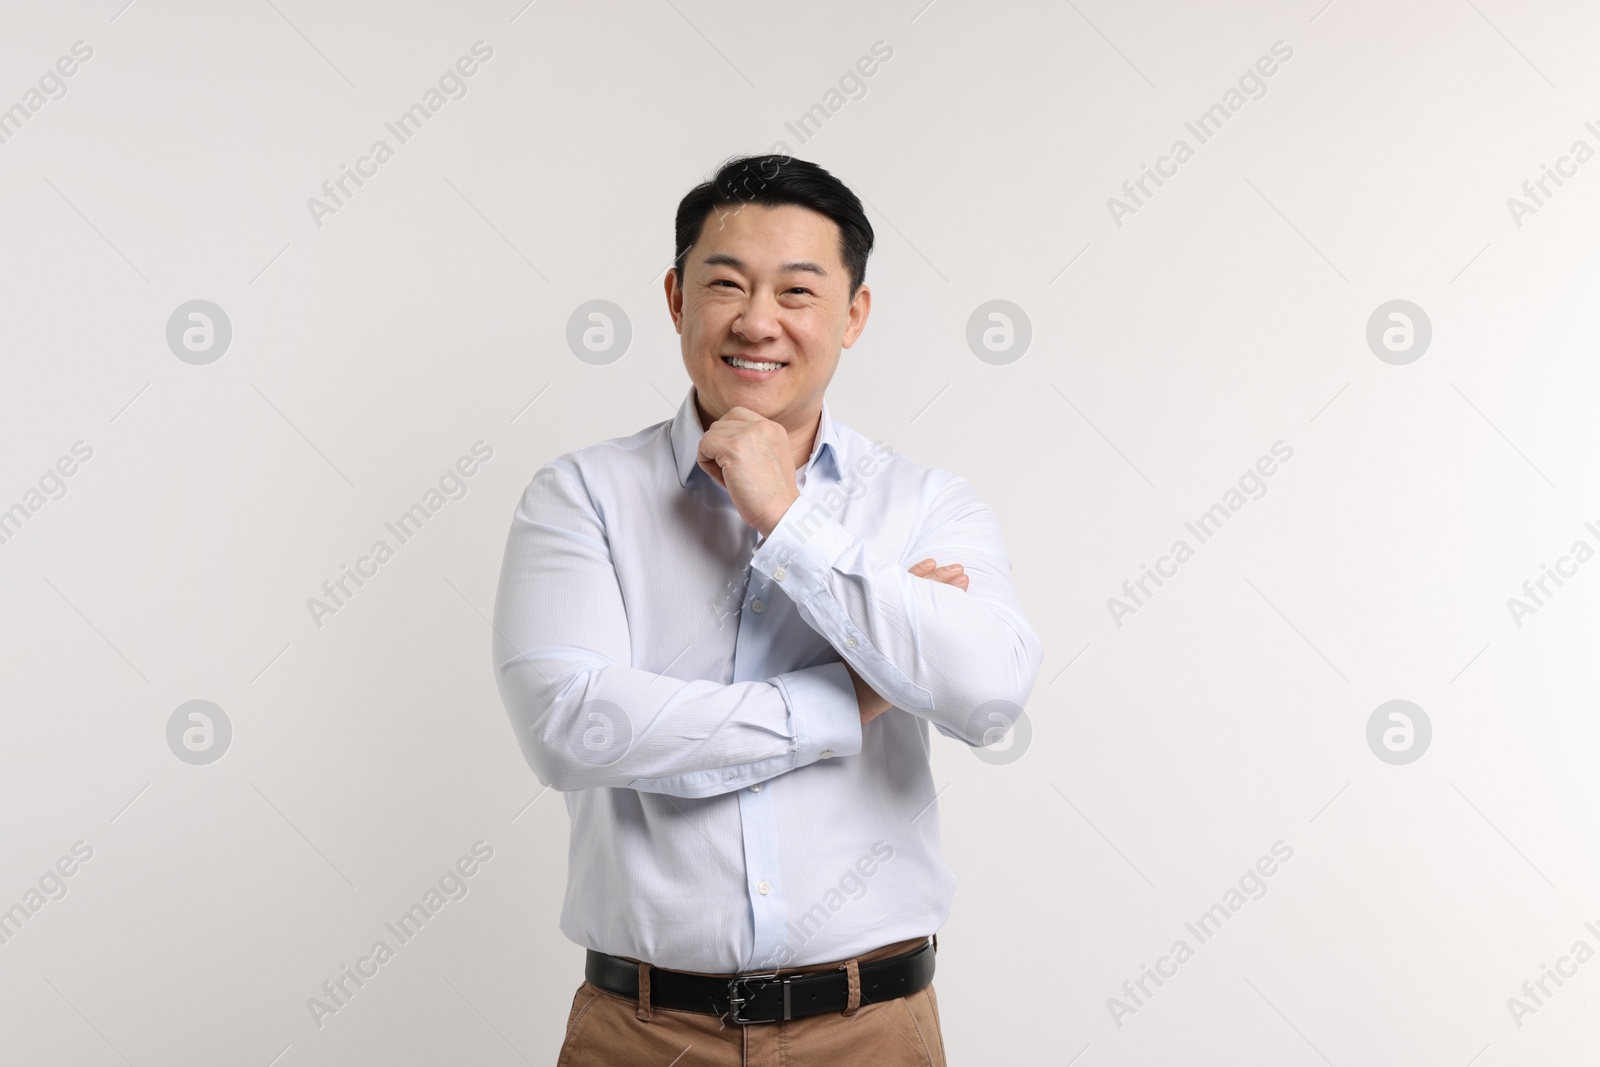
x,y
860,307
674,298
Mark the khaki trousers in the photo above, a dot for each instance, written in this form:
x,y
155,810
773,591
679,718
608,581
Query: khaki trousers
x,y
607,1030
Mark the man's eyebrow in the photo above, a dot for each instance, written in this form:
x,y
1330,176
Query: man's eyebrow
x,y
723,259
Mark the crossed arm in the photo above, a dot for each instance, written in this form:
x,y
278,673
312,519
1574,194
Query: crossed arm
x,y
585,717
871,703
940,643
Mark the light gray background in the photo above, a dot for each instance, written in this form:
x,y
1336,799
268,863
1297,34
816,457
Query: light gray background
x,y
1168,354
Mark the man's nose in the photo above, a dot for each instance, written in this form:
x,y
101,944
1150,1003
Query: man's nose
x,y
758,319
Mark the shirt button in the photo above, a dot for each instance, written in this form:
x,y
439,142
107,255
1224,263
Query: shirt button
x,y
756,605
850,641
827,753
756,788
764,888
780,573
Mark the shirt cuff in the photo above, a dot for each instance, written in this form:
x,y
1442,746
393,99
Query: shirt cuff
x,y
805,543
823,712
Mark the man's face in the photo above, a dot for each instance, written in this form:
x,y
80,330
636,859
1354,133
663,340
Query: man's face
x,y
768,285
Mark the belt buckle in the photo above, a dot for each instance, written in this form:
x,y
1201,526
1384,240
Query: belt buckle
x,y
735,1001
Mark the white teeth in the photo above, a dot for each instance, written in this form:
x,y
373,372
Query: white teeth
x,y
748,365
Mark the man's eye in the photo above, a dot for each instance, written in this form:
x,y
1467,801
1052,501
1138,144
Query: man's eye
x,y
800,289
724,281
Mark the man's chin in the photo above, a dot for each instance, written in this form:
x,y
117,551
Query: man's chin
x,y
752,396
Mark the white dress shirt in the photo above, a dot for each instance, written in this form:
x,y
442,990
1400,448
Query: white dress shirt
x,y
682,685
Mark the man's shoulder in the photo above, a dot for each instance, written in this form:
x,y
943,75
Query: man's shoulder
x,y
608,457
864,458
601,471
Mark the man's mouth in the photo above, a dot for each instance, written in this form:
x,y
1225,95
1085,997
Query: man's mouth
x,y
740,363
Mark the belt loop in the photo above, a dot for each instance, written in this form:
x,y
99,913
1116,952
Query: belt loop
x,y
643,1012
850,968
936,943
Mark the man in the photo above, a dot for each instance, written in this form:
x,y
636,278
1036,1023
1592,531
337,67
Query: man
x,y
723,639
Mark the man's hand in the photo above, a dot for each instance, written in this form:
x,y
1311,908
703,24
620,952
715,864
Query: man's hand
x,y
750,456
953,574
871,704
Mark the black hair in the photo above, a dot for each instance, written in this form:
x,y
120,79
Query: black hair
x,y
773,180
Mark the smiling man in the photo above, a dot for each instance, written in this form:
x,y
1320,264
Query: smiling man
x,y
724,637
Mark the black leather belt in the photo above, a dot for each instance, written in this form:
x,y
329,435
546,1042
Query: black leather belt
x,y
765,997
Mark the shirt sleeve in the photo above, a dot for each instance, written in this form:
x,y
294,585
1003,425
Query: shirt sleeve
x,y
585,717
966,660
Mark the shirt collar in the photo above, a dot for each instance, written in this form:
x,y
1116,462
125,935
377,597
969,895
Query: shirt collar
x,y
686,434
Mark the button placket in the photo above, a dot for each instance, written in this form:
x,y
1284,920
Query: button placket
x,y
762,861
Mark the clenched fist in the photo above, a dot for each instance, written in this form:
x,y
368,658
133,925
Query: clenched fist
x,y
751,457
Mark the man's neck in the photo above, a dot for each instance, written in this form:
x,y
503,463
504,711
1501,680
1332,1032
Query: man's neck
x,y
801,442
803,446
